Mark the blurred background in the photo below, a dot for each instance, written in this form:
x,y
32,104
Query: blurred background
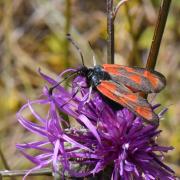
x,y
32,36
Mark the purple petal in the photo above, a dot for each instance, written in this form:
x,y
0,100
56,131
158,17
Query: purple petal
x,y
90,126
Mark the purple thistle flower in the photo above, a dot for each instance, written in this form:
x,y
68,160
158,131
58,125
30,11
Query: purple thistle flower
x,y
101,137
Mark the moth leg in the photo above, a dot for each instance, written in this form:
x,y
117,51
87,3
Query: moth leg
x,y
89,96
71,97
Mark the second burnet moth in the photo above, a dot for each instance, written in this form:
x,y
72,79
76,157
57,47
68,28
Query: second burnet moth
x,y
123,85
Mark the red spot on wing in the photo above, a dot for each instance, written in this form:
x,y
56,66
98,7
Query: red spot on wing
x,y
128,69
145,112
135,78
132,97
108,85
131,101
115,69
111,68
109,89
153,80
104,89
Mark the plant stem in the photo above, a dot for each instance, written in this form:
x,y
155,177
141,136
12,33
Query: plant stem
x,y
118,7
158,33
67,30
4,160
13,173
5,163
110,31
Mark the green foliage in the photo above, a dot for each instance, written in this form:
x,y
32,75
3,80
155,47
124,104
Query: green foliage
x,y
146,38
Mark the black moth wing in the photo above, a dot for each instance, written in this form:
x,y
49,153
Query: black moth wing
x,y
135,78
124,96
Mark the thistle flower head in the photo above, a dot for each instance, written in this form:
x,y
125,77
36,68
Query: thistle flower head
x,y
99,136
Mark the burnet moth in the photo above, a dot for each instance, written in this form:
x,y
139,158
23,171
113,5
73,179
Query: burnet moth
x,y
123,85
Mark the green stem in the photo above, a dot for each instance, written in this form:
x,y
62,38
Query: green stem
x,y
158,33
110,32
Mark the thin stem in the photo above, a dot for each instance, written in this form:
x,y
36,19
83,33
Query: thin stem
x,y
110,31
4,160
158,33
5,163
14,173
67,30
116,9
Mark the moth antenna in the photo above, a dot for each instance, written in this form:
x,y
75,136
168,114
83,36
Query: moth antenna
x,y
69,37
94,57
57,84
